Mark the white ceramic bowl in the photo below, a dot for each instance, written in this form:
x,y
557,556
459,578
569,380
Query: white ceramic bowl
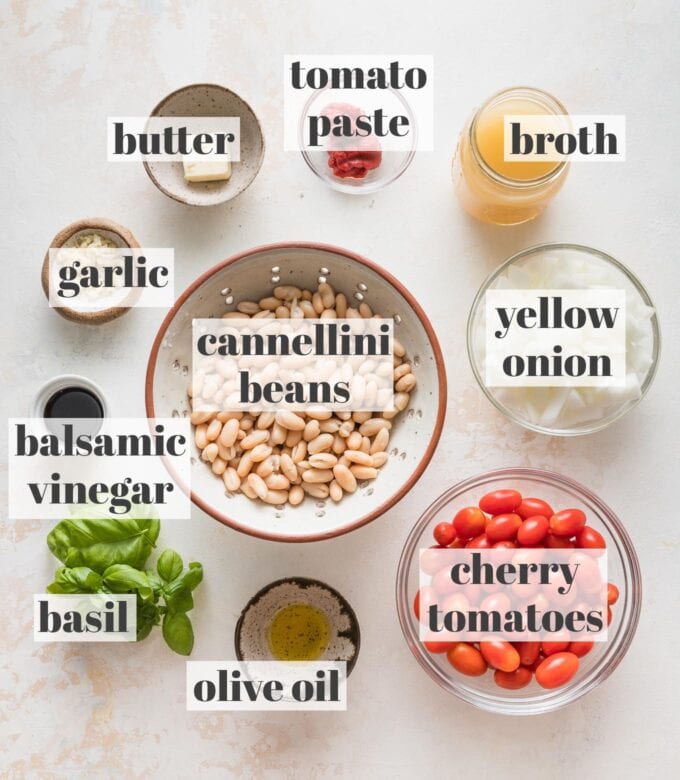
x,y
251,275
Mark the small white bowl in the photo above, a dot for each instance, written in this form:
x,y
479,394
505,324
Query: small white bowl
x,y
209,100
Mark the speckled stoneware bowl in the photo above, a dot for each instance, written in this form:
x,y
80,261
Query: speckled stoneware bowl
x,y
120,235
209,100
251,275
251,635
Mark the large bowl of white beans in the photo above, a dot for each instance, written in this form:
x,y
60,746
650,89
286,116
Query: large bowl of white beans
x,y
308,475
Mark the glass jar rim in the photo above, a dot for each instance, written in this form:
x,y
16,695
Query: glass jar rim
x,y
499,178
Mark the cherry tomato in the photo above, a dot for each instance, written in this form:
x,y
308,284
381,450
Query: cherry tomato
x,y
556,670
530,507
466,659
610,615
555,542
500,502
590,539
550,648
539,660
469,522
432,560
456,544
567,522
503,528
528,652
513,681
533,530
422,601
437,646
444,534
506,544
501,655
580,648
612,593
480,542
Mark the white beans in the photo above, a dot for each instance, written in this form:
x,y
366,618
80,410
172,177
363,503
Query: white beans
x,y
280,457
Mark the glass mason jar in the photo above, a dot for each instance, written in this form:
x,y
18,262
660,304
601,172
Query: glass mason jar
x,y
497,191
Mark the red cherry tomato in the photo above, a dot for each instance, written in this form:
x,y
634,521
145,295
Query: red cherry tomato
x,y
500,502
533,530
528,652
567,522
610,615
530,507
550,648
422,601
466,659
513,681
501,655
456,544
469,522
480,542
556,542
612,593
580,648
556,670
437,646
502,528
505,545
444,534
590,539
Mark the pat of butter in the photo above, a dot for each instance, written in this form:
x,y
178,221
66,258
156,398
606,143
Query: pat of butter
x,y
207,170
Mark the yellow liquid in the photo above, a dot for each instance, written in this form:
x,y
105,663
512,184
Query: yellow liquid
x,y
298,632
489,138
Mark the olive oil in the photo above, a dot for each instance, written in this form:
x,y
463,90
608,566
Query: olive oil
x,y
298,632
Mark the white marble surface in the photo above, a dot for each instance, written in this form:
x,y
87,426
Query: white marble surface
x,y
70,711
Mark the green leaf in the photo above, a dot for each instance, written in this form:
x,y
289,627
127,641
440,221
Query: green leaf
x,y
80,579
103,541
121,578
182,601
178,632
189,579
170,565
148,616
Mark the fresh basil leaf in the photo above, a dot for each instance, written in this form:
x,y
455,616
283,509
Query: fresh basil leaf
x,y
178,632
121,578
155,581
103,541
80,579
170,565
148,616
182,601
189,579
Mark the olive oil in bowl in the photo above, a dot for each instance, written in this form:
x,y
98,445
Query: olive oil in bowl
x,y
298,632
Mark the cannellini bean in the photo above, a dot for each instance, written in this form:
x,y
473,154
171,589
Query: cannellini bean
x,y
316,490
260,452
401,370
200,436
200,417
336,491
276,497
323,460
406,384
299,451
218,466
345,478
398,348
354,440
245,465
270,304
229,433
210,452
248,307
322,442
248,491
277,482
317,475
288,467
379,459
327,295
339,445
290,421
380,442
286,292
278,434
265,420
312,430
361,417
292,438
364,472
231,479
356,456
296,495
372,426
258,485
253,439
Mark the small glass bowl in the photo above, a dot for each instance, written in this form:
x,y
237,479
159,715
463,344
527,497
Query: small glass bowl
x,y
623,569
390,169
501,396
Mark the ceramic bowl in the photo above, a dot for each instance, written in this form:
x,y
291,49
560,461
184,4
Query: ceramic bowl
x,y
251,275
120,235
250,636
209,100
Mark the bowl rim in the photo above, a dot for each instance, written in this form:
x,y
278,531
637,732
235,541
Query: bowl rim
x,y
439,366
634,592
477,369
159,106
